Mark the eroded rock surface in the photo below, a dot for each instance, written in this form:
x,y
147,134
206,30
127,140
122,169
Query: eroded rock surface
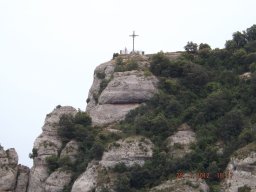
x,y
47,144
57,181
182,184
179,143
22,179
123,91
13,177
130,151
241,170
70,151
8,169
87,181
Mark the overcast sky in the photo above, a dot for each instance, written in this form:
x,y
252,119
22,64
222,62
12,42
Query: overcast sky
x,y
50,48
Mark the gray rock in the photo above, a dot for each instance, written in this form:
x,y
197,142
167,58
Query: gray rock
x,y
110,113
107,69
47,144
57,181
186,183
22,179
12,156
129,87
70,150
87,181
179,143
131,151
37,177
8,169
124,91
241,170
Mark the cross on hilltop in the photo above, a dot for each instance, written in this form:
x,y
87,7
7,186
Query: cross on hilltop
x,y
133,37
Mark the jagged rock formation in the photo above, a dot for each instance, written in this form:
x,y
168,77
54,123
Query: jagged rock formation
x,y
88,180
112,95
46,145
131,151
124,92
179,143
241,170
57,181
182,184
13,177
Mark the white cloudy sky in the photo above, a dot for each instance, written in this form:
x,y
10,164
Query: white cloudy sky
x,y
49,49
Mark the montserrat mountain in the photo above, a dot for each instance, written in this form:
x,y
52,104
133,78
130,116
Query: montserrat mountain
x,y
180,121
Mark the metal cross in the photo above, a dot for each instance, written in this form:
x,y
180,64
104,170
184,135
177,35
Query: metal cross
x,y
133,37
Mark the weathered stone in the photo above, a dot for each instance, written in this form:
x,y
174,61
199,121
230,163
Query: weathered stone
x,y
8,169
47,144
179,143
124,91
57,181
182,184
12,156
87,181
70,150
129,87
22,179
7,177
131,151
107,69
37,177
241,170
109,113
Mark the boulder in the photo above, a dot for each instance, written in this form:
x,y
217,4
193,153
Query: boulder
x,y
57,181
86,182
47,144
187,183
22,179
8,169
70,150
121,93
179,143
130,151
241,170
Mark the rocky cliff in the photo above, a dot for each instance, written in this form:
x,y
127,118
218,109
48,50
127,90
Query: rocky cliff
x,y
13,177
119,86
114,94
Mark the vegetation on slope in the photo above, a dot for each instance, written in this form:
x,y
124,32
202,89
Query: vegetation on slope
x,y
201,88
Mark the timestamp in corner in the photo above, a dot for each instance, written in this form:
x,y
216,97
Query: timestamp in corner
x,y
204,175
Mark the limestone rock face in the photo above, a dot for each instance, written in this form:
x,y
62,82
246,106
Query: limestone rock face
x,y
182,184
128,87
47,144
122,91
87,181
179,143
22,180
108,113
57,181
70,150
241,170
13,177
8,169
130,151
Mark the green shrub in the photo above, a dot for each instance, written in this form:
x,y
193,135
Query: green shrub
x,y
82,118
31,155
52,163
103,85
101,75
122,66
245,188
